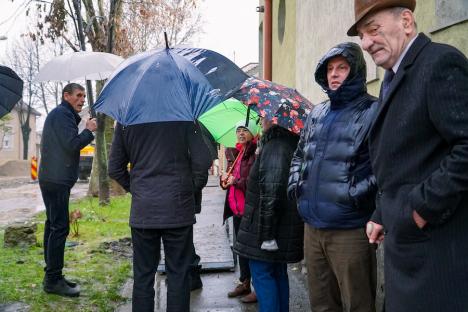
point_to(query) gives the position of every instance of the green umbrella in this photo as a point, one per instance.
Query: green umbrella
(221, 121)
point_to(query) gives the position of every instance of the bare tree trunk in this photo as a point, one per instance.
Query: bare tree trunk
(25, 131)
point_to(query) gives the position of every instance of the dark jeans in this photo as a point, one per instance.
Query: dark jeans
(56, 228)
(178, 259)
(271, 285)
(243, 262)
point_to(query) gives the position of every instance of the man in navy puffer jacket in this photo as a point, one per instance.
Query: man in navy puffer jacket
(332, 180)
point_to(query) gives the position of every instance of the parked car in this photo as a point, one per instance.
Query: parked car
(86, 162)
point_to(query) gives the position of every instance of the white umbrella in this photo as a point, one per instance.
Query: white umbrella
(79, 66)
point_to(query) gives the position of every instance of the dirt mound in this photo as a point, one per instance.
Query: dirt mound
(121, 248)
(15, 168)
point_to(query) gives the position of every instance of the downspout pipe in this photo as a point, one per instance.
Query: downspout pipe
(267, 35)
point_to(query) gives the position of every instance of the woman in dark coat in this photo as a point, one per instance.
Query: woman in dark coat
(236, 184)
(271, 231)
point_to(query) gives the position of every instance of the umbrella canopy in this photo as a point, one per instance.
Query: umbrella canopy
(282, 105)
(177, 84)
(221, 121)
(79, 65)
(11, 90)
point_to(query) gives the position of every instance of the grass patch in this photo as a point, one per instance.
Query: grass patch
(99, 273)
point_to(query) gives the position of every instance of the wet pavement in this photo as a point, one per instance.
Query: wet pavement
(20, 199)
(212, 244)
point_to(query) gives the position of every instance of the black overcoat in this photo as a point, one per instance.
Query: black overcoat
(268, 213)
(419, 154)
(169, 162)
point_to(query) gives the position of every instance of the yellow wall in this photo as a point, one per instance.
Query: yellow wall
(284, 43)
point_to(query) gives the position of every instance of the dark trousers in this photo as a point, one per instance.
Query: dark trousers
(178, 259)
(243, 262)
(271, 284)
(341, 270)
(195, 266)
(57, 227)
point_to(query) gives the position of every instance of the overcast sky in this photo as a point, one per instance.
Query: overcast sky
(230, 27)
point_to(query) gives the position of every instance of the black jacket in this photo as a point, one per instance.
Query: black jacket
(169, 163)
(331, 175)
(419, 152)
(61, 145)
(268, 212)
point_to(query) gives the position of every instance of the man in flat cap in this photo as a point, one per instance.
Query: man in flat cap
(419, 154)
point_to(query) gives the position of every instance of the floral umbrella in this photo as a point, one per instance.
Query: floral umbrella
(282, 105)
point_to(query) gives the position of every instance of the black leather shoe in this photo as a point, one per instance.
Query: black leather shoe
(195, 279)
(61, 288)
(196, 283)
(69, 283)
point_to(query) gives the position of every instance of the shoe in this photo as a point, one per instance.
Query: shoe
(195, 279)
(195, 282)
(250, 298)
(241, 290)
(61, 288)
(69, 283)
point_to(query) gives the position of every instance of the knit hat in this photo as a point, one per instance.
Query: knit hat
(252, 127)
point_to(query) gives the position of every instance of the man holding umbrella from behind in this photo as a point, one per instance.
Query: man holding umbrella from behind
(158, 135)
(169, 161)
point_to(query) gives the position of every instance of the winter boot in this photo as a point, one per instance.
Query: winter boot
(250, 298)
(241, 290)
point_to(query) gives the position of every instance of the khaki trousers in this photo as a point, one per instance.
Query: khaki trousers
(341, 266)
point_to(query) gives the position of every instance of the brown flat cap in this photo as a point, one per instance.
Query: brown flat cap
(364, 7)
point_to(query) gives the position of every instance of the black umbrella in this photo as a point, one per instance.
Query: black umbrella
(11, 90)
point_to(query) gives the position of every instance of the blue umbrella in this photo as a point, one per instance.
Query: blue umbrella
(177, 84)
(11, 90)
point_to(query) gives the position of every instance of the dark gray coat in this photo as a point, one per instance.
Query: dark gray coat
(169, 165)
(268, 212)
(419, 153)
(61, 145)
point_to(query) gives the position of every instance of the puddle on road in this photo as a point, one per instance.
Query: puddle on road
(20, 203)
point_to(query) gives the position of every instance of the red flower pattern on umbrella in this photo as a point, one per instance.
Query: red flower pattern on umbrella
(284, 106)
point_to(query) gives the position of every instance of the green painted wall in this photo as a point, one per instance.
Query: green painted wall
(284, 42)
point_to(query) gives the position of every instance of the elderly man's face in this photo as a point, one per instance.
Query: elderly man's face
(76, 99)
(385, 35)
(337, 71)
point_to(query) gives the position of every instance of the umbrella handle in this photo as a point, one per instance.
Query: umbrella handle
(224, 182)
(92, 113)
